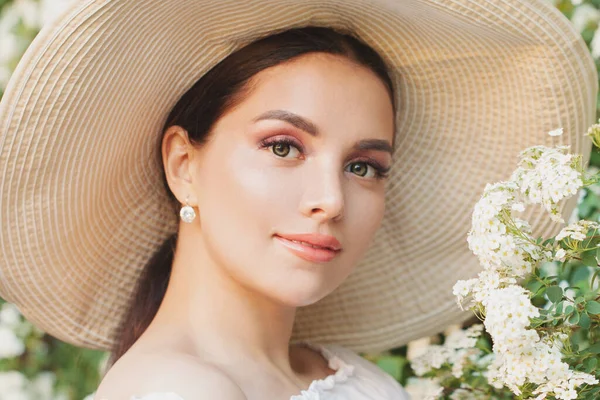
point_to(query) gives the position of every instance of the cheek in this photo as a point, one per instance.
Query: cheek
(247, 192)
(242, 200)
(362, 221)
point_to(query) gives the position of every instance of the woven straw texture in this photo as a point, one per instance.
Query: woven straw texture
(81, 204)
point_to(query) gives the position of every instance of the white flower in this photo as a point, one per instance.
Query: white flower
(548, 175)
(507, 252)
(9, 46)
(556, 132)
(464, 339)
(560, 255)
(42, 386)
(462, 289)
(13, 385)
(577, 230)
(51, 9)
(518, 207)
(433, 358)
(464, 394)
(423, 388)
(28, 11)
(585, 15)
(10, 344)
(458, 349)
(10, 316)
(595, 44)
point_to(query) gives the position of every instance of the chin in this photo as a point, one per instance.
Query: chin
(298, 298)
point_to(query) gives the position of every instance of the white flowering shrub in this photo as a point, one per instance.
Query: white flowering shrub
(36, 366)
(546, 349)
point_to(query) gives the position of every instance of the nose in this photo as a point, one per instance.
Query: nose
(323, 197)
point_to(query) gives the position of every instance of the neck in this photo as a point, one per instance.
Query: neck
(217, 316)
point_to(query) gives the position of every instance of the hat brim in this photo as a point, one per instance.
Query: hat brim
(82, 208)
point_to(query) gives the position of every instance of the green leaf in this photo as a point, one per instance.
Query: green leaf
(589, 258)
(548, 241)
(593, 307)
(554, 293)
(590, 364)
(585, 321)
(580, 274)
(393, 365)
(592, 393)
(536, 288)
(569, 309)
(594, 349)
(592, 282)
(574, 319)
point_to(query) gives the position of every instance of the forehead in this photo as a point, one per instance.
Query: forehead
(332, 91)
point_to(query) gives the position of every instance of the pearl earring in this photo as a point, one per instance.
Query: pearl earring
(187, 213)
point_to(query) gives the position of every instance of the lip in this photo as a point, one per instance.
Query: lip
(330, 246)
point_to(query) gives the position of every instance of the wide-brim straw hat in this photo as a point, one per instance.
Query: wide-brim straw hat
(82, 207)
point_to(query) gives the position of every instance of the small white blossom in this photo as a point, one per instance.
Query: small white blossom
(465, 394)
(548, 175)
(433, 358)
(423, 388)
(578, 230)
(560, 255)
(585, 15)
(13, 385)
(10, 316)
(595, 44)
(42, 386)
(10, 344)
(556, 132)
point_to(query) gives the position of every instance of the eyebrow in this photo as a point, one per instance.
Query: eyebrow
(310, 128)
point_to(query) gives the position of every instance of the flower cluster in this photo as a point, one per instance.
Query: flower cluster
(14, 385)
(548, 175)
(508, 252)
(458, 347)
(593, 131)
(14, 329)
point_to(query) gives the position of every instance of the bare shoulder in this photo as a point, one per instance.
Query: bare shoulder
(178, 374)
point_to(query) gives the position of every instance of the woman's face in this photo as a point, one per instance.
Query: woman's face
(335, 119)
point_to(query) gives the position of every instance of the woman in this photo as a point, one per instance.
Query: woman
(235, 198)
(291, 135)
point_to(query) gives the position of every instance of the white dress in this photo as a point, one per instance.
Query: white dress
(355, 378)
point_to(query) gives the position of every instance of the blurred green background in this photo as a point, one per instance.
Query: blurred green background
(34, 365)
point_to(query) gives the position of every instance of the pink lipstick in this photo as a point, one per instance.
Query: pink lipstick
(311, 247)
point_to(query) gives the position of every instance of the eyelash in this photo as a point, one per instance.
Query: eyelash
(380, 171)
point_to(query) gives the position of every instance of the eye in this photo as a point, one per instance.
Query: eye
(282, 147)
(361, 168)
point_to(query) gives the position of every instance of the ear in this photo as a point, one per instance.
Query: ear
(177, 154)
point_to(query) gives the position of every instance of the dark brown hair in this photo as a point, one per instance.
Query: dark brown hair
(200, 107)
